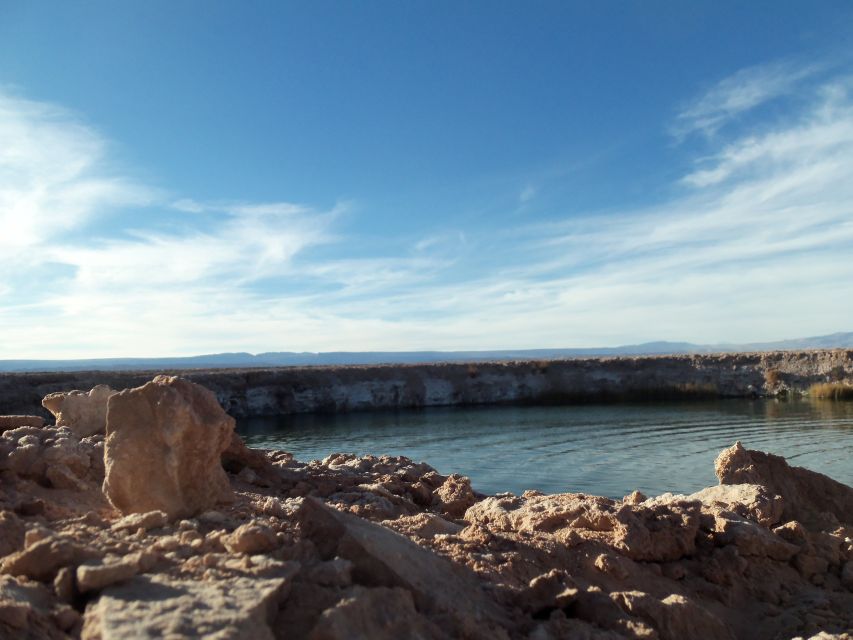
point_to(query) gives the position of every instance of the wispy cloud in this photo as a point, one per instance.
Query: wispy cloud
(741, 92)
(52, 174)
(527, 194)
(756, 245)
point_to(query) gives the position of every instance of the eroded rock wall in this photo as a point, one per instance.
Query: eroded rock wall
(252, 392)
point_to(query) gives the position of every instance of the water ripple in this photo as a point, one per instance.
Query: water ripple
(607, 450)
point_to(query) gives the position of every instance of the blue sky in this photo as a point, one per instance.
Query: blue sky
(194, 177)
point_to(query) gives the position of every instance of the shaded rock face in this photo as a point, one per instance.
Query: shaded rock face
(163, 447)
(810, 497)
(84, 413)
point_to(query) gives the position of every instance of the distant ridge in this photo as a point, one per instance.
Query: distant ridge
(288, 358)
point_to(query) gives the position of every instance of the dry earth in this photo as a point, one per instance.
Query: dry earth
(101, 544)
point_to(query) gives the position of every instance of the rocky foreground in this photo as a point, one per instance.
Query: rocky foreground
(140, 514)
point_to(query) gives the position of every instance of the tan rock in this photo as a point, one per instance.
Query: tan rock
(808, 496)
(424, 525)
(61, 477)
(751, 539)
(675, 617)
(336, 572)
(251, 538)
(379, 614)
(163, 447)
(27, 461)
(454, 496)
(11, 422)
(381, 556)
(159, 607)
(84, 413)
(94, 577)
(658, 531)
(42, 560)
(750, 501)
(136, 521)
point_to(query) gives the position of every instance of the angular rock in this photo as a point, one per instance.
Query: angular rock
(675, 617)
(381, 557)
(159, 607)
(251, 538)
(424, 525)
(94, 577)
(84, 413)
(658, 531)
(808, 495)
(454, 496)
(238, 458)
(751, 539)
(43, 559)
(379, 614)
(750, 501)
(163, 447)
(136, 521)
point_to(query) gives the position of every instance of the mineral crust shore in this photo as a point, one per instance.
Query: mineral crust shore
(198, 536)
(286, 390)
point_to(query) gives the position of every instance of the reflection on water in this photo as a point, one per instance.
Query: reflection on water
(602, 449)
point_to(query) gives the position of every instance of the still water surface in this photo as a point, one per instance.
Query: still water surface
(600, 449)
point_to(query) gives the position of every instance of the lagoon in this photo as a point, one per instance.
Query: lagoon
(605, 450)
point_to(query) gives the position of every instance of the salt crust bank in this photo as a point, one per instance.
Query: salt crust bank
(287, 390)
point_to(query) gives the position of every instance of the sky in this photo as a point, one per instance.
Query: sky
(180, 178)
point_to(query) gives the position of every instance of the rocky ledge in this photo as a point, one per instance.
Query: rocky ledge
(286, 390)
(151, 519)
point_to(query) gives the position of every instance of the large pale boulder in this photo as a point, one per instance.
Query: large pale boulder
(163, 448)
(84, 413)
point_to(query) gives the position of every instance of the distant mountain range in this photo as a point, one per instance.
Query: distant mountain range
(287, 358)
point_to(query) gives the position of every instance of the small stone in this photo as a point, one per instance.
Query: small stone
(251, 538)
(144, 521)
(98, 576)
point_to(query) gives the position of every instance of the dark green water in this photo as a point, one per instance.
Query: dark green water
(600, 449)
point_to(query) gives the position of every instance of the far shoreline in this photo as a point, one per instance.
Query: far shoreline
(343, 388)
